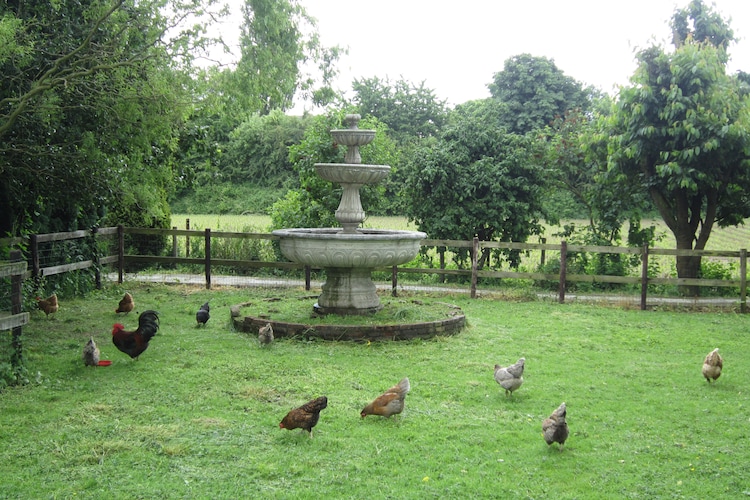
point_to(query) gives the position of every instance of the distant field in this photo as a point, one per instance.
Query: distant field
(732, 238)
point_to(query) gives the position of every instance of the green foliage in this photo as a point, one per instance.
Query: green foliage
(258, 150)
(475, 180)
(280, 46)
(536, 92)
(227, 198)
(410, 111)
(91, 112)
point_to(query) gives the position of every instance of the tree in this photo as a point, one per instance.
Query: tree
(258, 150)
(92, 95)
(410, 111)
(279, 45)
(535, 92)
(476, 180)
(681, 133)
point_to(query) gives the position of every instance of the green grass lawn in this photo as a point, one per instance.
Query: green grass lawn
(197, 416)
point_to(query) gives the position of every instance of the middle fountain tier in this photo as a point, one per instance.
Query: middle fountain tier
(349, 254)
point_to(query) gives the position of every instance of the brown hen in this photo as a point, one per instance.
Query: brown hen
(306, 416)
(48, 305)
(126, 304)
(555, 427)
(391, 402)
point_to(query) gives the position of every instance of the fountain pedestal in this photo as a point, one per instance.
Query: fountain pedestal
(348, 291)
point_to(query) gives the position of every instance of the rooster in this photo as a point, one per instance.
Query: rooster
(91, 353)
(202, 316)
(126, 304)
(510, 378)
(134, 343)
(48, 305)
(306, 416)
(391, 402)
(712, 365)
(265, 334)
(555, 427)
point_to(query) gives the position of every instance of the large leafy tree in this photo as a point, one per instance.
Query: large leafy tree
(535, 92)
(91, 97)
(411, 111)
(681, 132)
(281, 57)
(476, 180)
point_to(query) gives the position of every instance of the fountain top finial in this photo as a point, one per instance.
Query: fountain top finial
(352, 120)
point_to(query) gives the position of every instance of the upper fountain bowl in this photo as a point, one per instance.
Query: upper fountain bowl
(354, 173)
(352, 136)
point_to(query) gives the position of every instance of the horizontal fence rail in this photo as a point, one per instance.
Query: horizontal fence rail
(179, 237)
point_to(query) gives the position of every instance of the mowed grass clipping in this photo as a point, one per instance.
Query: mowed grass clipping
(197, 415)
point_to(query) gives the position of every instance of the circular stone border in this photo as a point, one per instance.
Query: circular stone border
(406, 331)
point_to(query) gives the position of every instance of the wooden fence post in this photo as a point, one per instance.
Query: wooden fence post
(187, 238)
(644, 277)
(174, 243)
(208, 259)
(120, 253)
(563, 271)
(34, 258)
(474, 259)
(394, 281)
(16, 280)
(441, 253)
(743, 280)
(97, 264)
(544, 251)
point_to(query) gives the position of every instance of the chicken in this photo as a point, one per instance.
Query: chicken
(712, 365)
(126, 304)
(134, 343)
(91, 353)
(391, 402)
(48, 305)
(555, 427)
(510, 378)
(202, 316)
(306, 416)
(265, 334)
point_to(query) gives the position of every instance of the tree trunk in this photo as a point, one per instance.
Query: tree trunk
(687, 266)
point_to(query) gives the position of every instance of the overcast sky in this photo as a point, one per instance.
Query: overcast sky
(455, 47)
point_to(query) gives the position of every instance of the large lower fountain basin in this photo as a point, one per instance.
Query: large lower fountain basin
(348, 258)
(365, 248)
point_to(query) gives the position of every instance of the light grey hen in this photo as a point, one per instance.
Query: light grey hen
(91, 353)
(265, 334)
(510, 378)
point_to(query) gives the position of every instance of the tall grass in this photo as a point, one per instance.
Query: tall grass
(197, 416)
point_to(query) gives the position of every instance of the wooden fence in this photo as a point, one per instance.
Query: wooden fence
(14, 319)
(120, 259)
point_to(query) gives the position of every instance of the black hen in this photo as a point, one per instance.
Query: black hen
(202, 315)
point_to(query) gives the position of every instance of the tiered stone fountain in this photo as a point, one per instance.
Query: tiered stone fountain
(349, 254)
